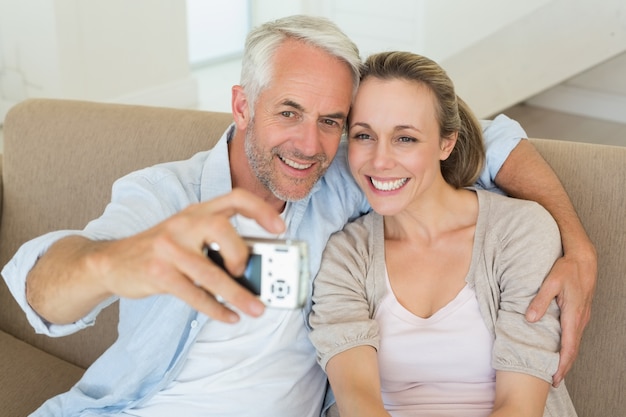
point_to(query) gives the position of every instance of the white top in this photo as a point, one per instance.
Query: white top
(436, 366)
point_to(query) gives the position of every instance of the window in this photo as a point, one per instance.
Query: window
(216, 29)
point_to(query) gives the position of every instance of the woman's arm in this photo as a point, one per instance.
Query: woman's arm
(354, 378)
(520, 395)
(524, 246)
(525, 174)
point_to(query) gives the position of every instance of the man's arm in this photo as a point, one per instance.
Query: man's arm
(77, 274)
(525, 174)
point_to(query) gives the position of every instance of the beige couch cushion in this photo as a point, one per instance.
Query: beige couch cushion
(30, 376)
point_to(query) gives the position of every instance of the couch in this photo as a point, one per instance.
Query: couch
(61, 157)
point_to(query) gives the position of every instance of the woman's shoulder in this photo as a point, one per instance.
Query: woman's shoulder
(508, 208)
(505, 218)
(363, 224)
(359, 233)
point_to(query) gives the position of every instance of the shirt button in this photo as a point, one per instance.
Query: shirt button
(194, 324)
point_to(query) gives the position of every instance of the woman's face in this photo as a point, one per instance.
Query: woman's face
(394, 144)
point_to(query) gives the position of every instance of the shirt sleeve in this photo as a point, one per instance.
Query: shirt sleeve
(530, 244)
(501, 136)
(15, 272)
(341, 281)
(137, 203)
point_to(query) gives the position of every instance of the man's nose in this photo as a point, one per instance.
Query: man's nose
(310, 142)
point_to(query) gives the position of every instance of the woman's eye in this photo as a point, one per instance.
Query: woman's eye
(361, 136)
(406, 139)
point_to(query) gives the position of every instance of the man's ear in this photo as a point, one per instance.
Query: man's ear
(240, 110)
(447, 145)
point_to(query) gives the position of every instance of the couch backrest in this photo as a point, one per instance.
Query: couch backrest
(60, 160)
(595, 179)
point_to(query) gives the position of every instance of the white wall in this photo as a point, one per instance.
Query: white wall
(104, 50)
(438, 29)
(29, 63)
(213, 37)
(599, 92)
(541, 50)
(608, 77)
(498, 53)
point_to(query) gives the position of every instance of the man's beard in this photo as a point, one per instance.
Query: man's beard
(260, 161)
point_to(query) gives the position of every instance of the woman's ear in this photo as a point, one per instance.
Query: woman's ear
(239, 105)
(447, 145)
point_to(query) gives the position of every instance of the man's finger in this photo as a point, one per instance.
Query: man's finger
(202, 273)
(570, 340)
(204, 302)
(243, 202)
(539, 305)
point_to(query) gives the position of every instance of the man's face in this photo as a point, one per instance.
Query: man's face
(298, 120)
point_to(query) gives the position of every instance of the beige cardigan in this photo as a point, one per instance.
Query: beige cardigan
(516, 243)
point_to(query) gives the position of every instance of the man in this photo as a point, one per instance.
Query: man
(190, 338)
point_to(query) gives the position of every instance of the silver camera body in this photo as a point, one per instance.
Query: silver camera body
(277, 270)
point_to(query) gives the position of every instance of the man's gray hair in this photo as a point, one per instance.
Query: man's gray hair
(262, 42)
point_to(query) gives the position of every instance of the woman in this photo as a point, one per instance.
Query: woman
(419, 305)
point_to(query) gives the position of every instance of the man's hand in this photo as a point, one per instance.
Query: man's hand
(572, 281)
(77, 274)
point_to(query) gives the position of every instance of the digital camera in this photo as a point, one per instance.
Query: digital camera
(277, 270)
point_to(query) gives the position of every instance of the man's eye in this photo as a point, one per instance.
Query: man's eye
(332, 124)
(287, 113)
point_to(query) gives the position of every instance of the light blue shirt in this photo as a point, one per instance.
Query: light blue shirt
(155, 333)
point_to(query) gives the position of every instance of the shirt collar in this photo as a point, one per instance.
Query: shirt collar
(216, 179)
